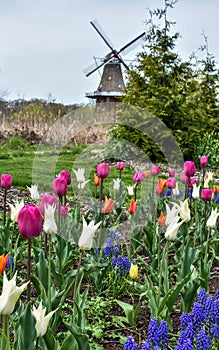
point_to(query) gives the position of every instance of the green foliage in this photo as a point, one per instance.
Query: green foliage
(16, 143)
(208, 145)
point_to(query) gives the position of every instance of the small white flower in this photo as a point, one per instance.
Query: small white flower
(212, 220)
(79, 175)
(15, 210)
(88, 231)
(34, 193)
(185, 211)
(130, 190)
(175, 190)
(196, 191)
(10, 294)
(42, 321)
(49, 225)
(116, 184)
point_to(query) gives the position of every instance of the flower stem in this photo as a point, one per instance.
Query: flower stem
(77, 276)
(162, 267)
(4, 214)
(101, 195)
(5, 345)
(28, 268)
(49, 275)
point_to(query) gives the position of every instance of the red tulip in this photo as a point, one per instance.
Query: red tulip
(206, 194)
(47, 199)
(59, 186)
(67, 176)
(6, 181)
(189, 168)
(29, 221)
(103, 170)
(133, 207)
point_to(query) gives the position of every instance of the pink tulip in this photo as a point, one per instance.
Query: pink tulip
(6, 181)
(189, 168)
(171, 182)
(183, 177)
(29, 221)
(154, 170)
(63, 210)
(138, 177)
(67, 176)
(172, 172)
(103, 170)
(192, 182)
(59, 186)
(47, 199)
(204, 160)
(120, 166)
(206, 194)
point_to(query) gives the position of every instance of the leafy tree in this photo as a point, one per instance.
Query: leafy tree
(182, 94)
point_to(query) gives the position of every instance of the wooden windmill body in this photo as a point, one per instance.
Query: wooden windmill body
(111, 87)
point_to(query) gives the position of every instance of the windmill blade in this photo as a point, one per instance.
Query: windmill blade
(132, 44)
(100, 31)
(124, 64)
(91, 69)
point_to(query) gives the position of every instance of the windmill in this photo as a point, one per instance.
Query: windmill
(111, 86)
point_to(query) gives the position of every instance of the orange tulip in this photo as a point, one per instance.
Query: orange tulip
(97, 180)
(216, 189)
(162, 219)
(133, 206)
(3, 262)
(108, 205)
(161, 183)
(146, 174)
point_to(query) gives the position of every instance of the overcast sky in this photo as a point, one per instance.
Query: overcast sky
(46, 44)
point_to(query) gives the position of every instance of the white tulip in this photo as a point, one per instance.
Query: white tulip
(116, 184)
(10, 294)
(81, 185)
(88, 231)
(34, 193)
(15, 210)
(172, 229)
(79, 175)
(175, 191)
(185, 211)
(196, 192)
(42, 321)
(49, 225)
(212, 220)
(171, 213)
(130, 190)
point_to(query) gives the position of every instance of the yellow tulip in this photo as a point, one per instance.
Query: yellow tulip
(133, 272)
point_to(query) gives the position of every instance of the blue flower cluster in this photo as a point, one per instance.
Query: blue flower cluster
(111, 247)
(122, 265)
(157, 336)
(198, 329)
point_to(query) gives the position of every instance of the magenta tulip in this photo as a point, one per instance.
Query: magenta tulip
(63, 210)
(192, 182)
(29, 221)
(204, 160)
(6, 181)
(154, 170)
(172, 172)
(67, 176)
(171, 182)
(206, 194)
(138, 177)
(103, 170)
(120, 165)
(189, 168)
(47, 199)
(59, 186)
(183, 178)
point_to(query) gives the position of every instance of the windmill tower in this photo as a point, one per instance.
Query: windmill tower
(111, 87)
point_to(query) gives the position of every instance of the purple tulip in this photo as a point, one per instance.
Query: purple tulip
(204, 160)
(189, 168)
(154, 170)
(206, 194)
(59, 186)
(138, 177)
(183, 177)
(6, 181)
(103, 170)
(29, 221)
(47, 199)
(67, 176)
(120, 166)
(63, 210)
(172, 172)
(171, 182)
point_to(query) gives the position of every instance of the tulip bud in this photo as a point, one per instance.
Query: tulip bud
(162, 219)
(47, 199)
(171, 182)
(63, 210)
(97, 180)
(172, 172)
(120, 166)
(204, 160)
(6, 181)
(154, 170)
(103, 170)
(138, 177)
(133, 272)
(29, 221)
(3, 262)
(206, 194)
(133, 207)
(59, 186)
(67, 176)
(216, 189)
(189, 168)
(184, 177)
